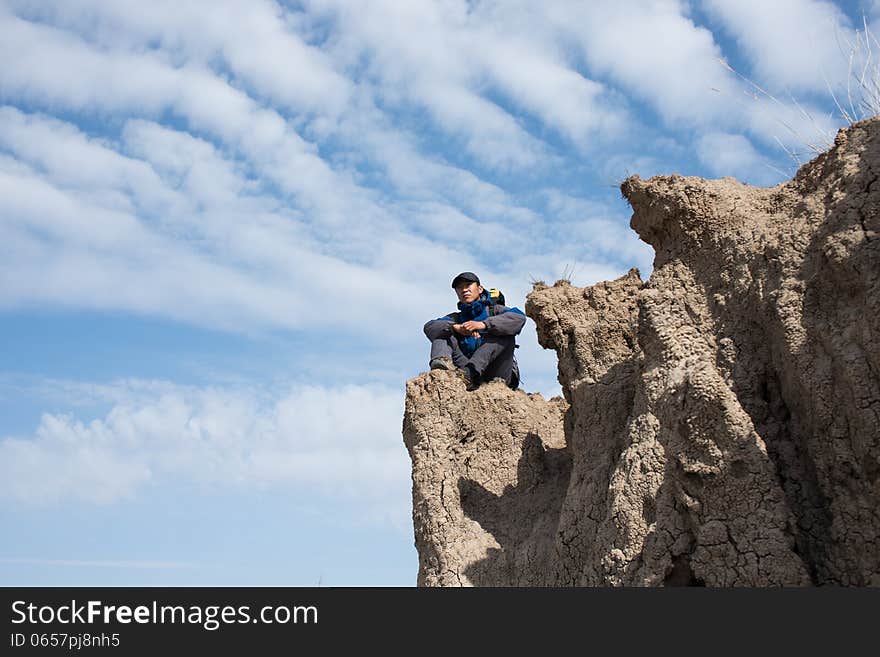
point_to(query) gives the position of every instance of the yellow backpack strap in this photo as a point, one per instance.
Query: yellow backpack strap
(493, 297)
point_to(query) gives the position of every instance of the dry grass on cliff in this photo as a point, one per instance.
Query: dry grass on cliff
(857, 98)
(863, 78)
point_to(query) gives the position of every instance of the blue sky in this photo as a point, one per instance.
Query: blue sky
(223, 224)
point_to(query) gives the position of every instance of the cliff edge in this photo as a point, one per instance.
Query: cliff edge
(721, 421)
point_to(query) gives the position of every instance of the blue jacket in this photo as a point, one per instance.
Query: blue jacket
(505, 321)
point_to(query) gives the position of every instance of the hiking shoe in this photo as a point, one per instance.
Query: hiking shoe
(442, 363)
(472, 378)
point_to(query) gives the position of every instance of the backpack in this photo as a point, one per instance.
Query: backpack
(495, 296)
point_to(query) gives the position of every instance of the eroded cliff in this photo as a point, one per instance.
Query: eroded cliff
(721, 421)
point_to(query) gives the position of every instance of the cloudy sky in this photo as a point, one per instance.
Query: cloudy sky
(223, 224)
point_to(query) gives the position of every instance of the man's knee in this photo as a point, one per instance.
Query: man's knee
(506, 341)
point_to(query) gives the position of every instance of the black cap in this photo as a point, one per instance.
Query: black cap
(466, 276)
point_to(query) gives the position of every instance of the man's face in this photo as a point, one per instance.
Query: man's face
(468, 292)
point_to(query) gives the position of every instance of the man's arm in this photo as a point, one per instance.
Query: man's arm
(441, 327)
(508, 321)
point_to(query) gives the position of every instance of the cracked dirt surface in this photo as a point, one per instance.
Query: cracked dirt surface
(482, 462)
(721, 421)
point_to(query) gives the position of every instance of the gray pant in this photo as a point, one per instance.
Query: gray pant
(492, 359)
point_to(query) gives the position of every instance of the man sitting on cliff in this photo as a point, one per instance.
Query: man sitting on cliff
(478, 339)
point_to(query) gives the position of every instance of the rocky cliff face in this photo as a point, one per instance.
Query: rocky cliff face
(721, 421)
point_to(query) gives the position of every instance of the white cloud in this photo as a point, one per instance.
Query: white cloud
(421, 56)
(658, 55)
(253, 38)
(790, 44)
(55, 67)
(649, 47)
(62, 249)
(794, 48)
(726, 154)
(341, 441)
(577, 107)
(446, 56)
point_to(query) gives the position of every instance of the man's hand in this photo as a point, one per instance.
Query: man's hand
(473, 327)
(470, 328)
